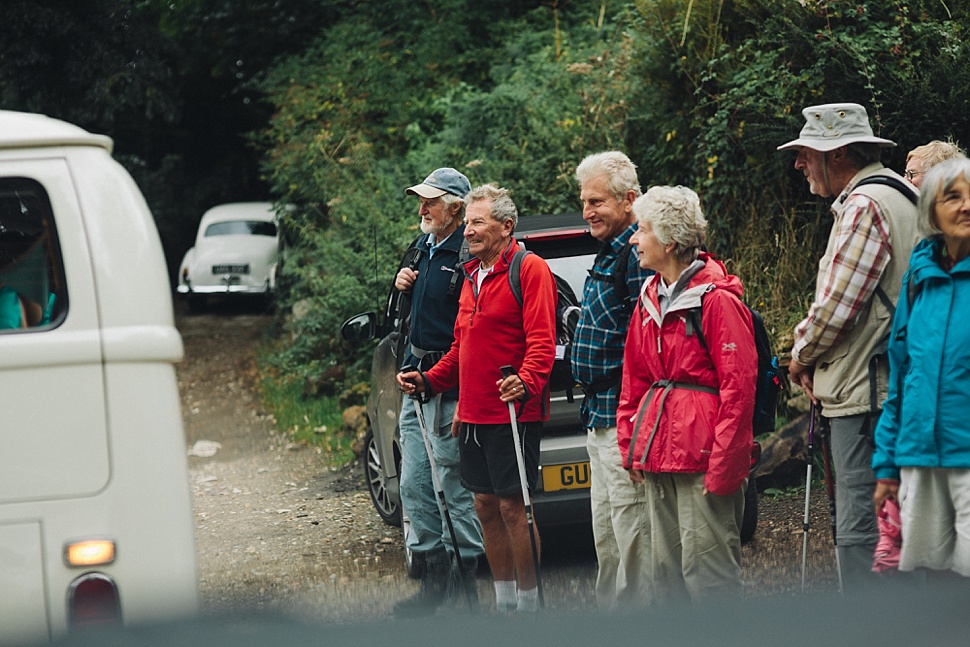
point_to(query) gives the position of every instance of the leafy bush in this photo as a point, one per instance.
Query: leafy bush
(697, 93)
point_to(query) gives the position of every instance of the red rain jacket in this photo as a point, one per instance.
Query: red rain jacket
(684, 408)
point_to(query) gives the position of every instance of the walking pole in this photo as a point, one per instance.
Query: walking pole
(824, 434)
(442, 503)
(810, 456)
(506, 372)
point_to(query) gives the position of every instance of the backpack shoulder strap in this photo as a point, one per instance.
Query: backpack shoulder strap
(515, 270)
(692, 323)
(464, 255)
(621, 270)
(888, 180)
(412, 255)
(886, 301)
(909, 194)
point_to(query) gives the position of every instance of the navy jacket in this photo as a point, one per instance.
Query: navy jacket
(433, 310)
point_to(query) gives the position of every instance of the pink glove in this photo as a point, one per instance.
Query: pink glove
(886, 557)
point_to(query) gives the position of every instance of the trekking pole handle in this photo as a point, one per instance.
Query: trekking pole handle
(420, 397)
(507, 371)
(811, 427)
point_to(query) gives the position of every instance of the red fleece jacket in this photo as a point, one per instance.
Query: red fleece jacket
(492, 331)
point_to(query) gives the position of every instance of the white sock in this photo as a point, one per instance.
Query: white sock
(505, 598)
(528, 601)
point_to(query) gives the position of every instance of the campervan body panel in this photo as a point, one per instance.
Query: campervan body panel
(90, 425)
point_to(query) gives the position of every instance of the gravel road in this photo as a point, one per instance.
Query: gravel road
(277, 531)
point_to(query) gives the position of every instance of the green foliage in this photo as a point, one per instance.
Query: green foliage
(100, 64)
(728, 87)
(371, 109)
(544, 114)
(312, 421)
(783, 493)
(697, 93)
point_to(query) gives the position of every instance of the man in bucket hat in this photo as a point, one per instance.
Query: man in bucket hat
(432, 274)
(838, 355)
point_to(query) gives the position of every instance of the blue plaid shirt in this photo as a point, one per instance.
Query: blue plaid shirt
(597, 350)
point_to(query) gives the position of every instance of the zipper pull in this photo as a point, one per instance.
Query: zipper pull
(658, 344)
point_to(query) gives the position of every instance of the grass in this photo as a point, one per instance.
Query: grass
(312, 421)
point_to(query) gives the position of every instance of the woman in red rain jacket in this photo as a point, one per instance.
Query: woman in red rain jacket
(687, 400)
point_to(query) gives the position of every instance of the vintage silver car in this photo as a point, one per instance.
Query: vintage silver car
(236, 252)
(563, 494)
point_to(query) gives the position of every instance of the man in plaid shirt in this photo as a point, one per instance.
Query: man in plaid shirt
(838, 355)
(609, 186)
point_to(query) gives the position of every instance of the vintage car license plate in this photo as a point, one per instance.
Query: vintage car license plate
(567, 476)
(231, 269)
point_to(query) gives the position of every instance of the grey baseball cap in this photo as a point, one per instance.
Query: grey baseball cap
(833, 125)
(442, 181)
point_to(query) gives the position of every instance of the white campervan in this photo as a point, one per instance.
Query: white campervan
(95, 510)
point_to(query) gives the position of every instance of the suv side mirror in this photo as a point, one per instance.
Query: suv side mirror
(362, 327)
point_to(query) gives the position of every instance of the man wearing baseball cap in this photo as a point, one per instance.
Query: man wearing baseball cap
(838, 356)
(432, 275)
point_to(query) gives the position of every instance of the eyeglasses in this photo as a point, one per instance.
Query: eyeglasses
(911, 174)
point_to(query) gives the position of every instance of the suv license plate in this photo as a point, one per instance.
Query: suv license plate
(567, 476)
(230, 269)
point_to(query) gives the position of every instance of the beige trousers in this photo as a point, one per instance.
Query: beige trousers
(696, 543)
(620, 529)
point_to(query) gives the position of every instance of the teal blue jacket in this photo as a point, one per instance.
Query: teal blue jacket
(925, 421)
(11, 315)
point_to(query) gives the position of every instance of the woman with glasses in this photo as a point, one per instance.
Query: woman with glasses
(923, 158)
(922, 454)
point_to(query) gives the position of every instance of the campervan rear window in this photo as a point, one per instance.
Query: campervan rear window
(33, 294)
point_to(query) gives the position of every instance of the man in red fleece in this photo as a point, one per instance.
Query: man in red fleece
(492, 330)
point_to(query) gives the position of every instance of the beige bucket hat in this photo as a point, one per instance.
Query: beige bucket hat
(832, 125)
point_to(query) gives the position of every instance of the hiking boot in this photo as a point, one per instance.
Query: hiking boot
(463, 585)
(434, 587)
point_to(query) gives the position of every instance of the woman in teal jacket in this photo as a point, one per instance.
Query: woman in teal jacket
(922, 455)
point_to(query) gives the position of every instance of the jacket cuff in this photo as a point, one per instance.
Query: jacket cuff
(887, 474)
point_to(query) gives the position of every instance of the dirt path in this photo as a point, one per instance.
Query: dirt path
(277, 531)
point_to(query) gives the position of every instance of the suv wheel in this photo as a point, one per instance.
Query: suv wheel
(388, 510)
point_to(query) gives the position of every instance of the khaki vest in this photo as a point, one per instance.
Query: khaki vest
(843, 383)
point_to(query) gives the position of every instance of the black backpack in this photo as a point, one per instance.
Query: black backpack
(567, 316)
(770, 378)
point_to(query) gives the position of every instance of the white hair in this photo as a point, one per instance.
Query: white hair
(674, 213)
(616, 167)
